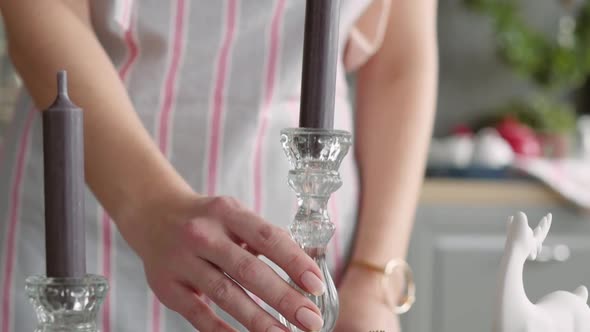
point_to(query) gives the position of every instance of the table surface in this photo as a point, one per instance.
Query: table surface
(488, 192)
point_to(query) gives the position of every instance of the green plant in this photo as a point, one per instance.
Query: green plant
(558, 63)
(542, 114)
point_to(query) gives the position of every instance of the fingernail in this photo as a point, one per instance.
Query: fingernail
(312, 283)
(309, 319)
(275, 328)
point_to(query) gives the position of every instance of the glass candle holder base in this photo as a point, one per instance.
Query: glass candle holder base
(66, 304)
(328, 302)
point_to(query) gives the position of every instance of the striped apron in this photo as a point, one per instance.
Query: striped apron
(213, 82)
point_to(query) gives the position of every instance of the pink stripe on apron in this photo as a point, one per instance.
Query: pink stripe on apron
(179, 10)
(13, 226)
(222, 64)
(269, 85)
(108, 231)
(218, 99)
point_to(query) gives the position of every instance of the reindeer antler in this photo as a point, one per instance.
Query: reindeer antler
(540, 233)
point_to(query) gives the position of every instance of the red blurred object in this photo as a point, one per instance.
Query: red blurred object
(462, 130)
(521, 137)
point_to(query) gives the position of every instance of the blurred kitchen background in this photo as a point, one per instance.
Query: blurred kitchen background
(512, 133)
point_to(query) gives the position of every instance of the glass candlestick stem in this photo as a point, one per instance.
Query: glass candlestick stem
(315, 156)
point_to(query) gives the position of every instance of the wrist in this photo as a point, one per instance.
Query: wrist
(380, 242)
(150, 201)
(147, 199)
(153, 194)
(139, 182)
(363, 275)
(394, 281)
(365, 286)
(149, 214)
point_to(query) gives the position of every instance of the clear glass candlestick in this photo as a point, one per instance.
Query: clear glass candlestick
(66, 304)
(315, 156)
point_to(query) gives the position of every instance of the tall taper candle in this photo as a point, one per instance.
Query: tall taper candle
(320, 59)
(63, 154)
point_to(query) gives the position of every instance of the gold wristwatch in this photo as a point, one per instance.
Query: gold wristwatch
(408, 296)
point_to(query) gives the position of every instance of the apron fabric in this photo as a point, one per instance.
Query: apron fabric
(213, 82)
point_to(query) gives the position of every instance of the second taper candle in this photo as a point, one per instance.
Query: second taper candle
(320, 59)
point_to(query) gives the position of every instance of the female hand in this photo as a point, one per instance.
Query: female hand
(362, 307)
(202, 246)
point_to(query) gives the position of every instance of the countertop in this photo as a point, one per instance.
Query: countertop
(488, 192)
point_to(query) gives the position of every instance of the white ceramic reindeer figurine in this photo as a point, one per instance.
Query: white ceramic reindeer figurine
(559, 311)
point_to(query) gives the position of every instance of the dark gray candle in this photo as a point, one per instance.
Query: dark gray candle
(320, 58)
(63, 154)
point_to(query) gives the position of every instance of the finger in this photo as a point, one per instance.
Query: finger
(260, 279)
(197, 312)
(276, 244)
(249, 249)
(230, 297)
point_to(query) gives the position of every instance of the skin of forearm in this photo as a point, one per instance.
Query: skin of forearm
(392, 135)
(396, 97)
(123, 167)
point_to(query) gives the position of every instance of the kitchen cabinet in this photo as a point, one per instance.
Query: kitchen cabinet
(458, 241)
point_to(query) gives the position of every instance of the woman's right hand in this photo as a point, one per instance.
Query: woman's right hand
(206, 246)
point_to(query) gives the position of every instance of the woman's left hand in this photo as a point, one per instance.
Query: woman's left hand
(362, 306)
